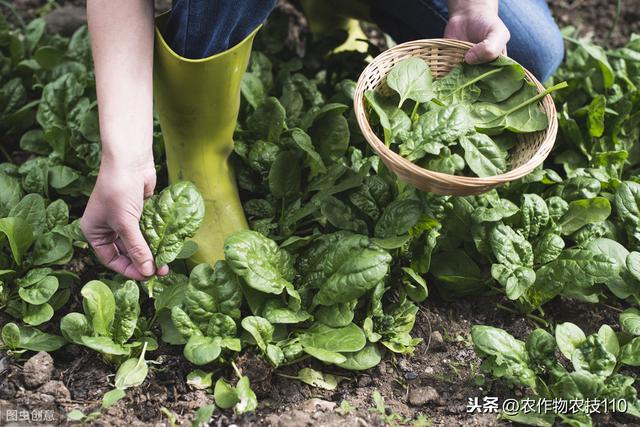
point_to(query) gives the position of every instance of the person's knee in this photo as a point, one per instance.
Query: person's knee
(540, 50)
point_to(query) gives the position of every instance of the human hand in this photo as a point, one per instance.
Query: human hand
(478, 22)
(112, 216)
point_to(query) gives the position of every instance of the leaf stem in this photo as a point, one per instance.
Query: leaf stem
(616, 21)
(5, 153)
(610, 307)
(474, 80)
(414, 112)
(536, 98)
(235, 368)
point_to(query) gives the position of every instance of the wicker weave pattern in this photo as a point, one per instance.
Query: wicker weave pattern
(442, 55)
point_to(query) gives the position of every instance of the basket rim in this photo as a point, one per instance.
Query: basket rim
(438, 177)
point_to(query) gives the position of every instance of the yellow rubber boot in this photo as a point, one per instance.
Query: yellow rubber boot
(328, 16)
(197, 102)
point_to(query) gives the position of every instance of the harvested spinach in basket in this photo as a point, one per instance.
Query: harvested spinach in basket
(463, 123)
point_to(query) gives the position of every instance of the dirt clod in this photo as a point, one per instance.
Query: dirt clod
(420, 396)
(56, 389)
(364, 381)
(38, 370)
(316, 404)
(436, 341)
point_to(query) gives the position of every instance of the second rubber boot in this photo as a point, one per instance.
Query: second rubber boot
(197, 102)
(328, 16)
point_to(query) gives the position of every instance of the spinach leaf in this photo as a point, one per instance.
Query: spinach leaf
(259, 261)
(169, 218)
(483, 155)
(411, 79)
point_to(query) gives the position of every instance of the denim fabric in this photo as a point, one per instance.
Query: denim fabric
(535, 42)
(201, 28)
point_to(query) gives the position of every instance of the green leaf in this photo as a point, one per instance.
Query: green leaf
(363, 359)
(609, 339)
(440, 127)
(343, 267)
(247, 398)
(52, 248)
(497, 86)
(224, 394)
(171, 217)
(267, 121)
(11, 336)
(57, 214)
(212, 290)
(547, 248)
(221, 325)
(569, 337)
(337, 315)
(510, 247)
(583, 212)
(541, 345)
(99, 306)
(456, 88)
(346, 339)
(35, 315)
(74, 326)
(595, 117)
(412, 79)
(630, 321)
(111, 397)
(203, 415)
(20, 236)
(201, 350)
(29, 338)
(10, 193)
(31, 209)
(303, 142)
(127, 310)
(260, 329)
(414, 285)
(183, 323)
(40, 292)
(483, 156)
(330, 135)
(285, 174)
(259, 261)
(199, 379)
(630, 353)
(398, 218)
(104, 345)
(457, 272)
(316, 379)
(592, 356)
(132, 373)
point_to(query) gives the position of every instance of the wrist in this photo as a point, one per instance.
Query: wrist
(472, 7)
(126, 159)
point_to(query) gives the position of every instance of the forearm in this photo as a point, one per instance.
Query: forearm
(461, 6)
(122, 45)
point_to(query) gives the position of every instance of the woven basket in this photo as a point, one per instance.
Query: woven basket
(442, 55)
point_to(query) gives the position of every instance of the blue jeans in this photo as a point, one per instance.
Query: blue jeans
(201, 28)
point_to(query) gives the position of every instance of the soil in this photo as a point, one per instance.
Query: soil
(430, 387)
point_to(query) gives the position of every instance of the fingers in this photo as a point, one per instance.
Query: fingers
(136, 248)
(490, 48)
(110, 256)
